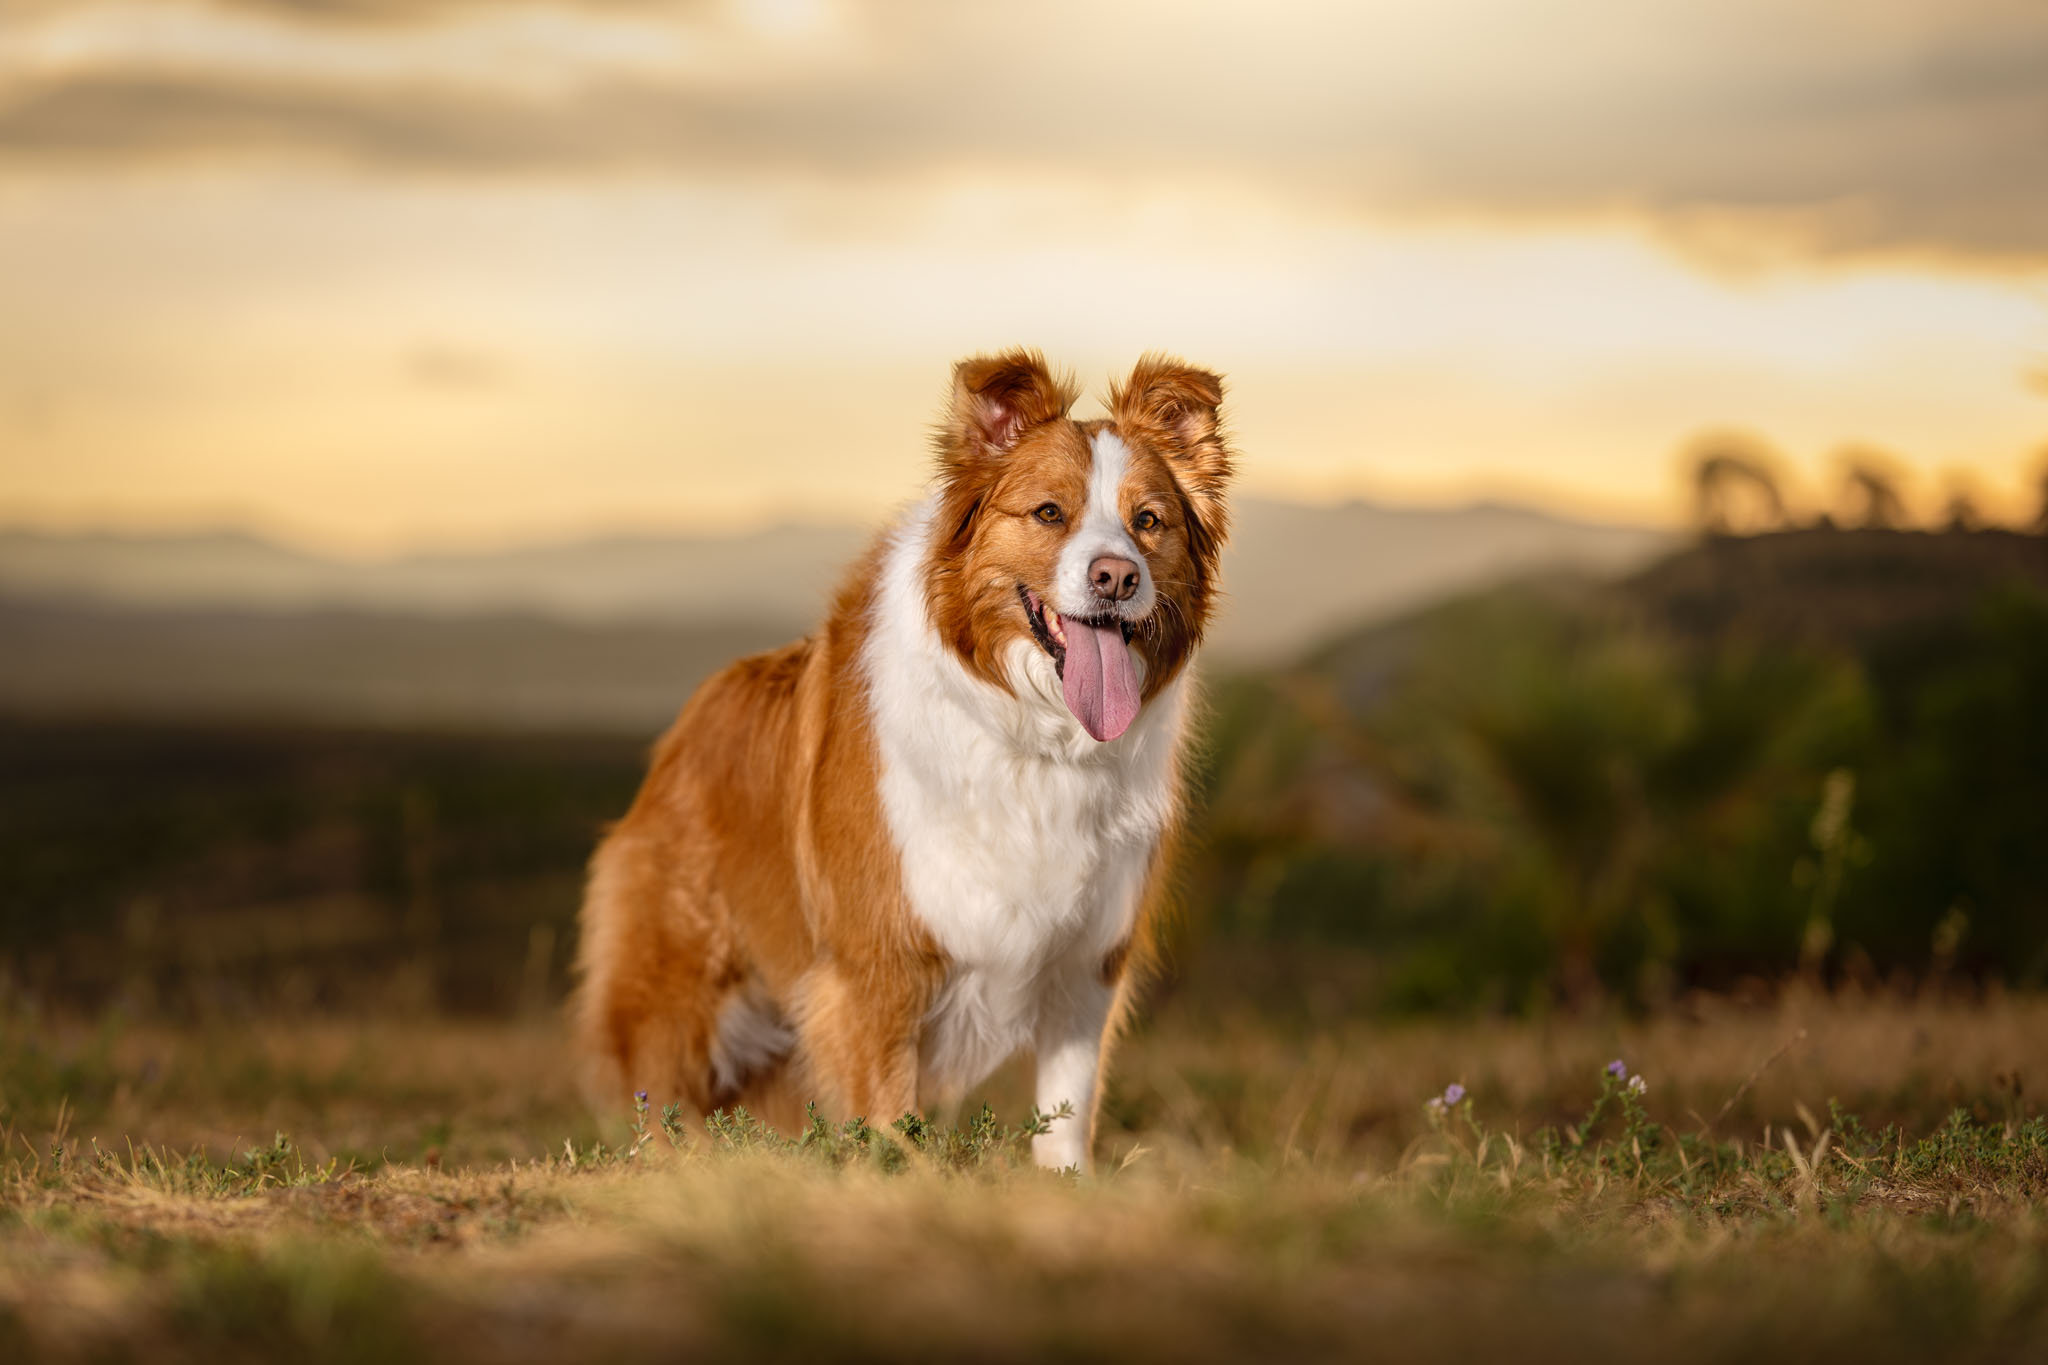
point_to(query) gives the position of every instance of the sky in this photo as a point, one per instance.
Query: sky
(384, 274)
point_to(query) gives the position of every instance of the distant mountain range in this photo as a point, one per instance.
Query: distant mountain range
(781, 574)
(1293, 572)
(614, 632)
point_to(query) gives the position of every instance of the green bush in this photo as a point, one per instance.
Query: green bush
(1541, 793)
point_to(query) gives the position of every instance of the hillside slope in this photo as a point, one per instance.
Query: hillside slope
(465, 672)
(1827, 747)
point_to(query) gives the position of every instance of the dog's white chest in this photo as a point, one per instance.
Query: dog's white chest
(1024, 844)
(1027, 876)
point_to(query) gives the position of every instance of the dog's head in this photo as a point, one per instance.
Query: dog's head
(1079, 555)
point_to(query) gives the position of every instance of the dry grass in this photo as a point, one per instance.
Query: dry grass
(1262, 1194)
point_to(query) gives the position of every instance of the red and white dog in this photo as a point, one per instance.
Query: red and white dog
(867, 868)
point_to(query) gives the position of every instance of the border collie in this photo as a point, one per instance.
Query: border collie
(867, 868)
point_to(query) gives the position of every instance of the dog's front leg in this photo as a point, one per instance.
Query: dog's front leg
(1068, 1042)
(858, 1032)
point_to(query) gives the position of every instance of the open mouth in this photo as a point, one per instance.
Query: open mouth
(1051, 633)
(1098, 678)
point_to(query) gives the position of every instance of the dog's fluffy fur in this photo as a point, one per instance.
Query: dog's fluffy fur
(866, 868)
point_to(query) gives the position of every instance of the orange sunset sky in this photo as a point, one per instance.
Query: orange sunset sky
(374, 274)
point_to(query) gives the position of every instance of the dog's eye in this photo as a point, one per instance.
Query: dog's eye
(1049, 513)
(1146, 520)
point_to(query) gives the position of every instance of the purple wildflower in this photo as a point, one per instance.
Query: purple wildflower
(1617, 1068)
(640, 1097)
(1453, 1093)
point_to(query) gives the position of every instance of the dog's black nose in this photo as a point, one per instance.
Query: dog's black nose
(1113, 579)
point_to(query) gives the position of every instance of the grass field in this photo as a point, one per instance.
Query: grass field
(438, 1192)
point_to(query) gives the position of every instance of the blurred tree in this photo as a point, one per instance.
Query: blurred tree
(1735, 486)
(1958, 794)
(1870, 492)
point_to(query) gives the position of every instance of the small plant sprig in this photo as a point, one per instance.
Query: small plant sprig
(1445, 1109)
(1451, 1116)
(642, 1135)
(1619, 1089)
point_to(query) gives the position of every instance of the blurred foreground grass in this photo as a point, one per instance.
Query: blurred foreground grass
(1262, 1193)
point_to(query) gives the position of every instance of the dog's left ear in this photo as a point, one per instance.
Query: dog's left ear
(1177, 409)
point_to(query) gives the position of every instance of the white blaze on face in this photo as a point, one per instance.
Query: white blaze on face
(1101, 530)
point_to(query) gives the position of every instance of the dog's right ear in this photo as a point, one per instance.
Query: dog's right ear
(996, 399)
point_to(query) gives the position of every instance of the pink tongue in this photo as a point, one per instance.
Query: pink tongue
(1100, 685)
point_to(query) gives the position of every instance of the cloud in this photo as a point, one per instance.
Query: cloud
(359, 13)
(452, 368)
(1740, 129)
